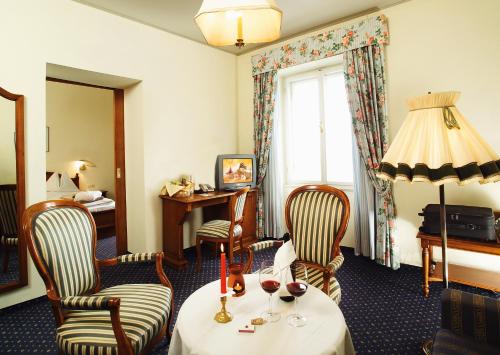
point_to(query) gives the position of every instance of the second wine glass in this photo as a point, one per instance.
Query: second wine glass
(269, 279)
(296, 284)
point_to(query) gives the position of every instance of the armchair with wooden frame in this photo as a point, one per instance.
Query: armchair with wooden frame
(224, 231)
(123, 319)
(317, 218)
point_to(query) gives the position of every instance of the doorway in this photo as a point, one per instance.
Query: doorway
(93, 153)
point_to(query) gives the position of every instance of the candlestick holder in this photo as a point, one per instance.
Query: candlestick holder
(223, 316)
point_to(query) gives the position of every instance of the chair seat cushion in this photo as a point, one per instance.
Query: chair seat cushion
(218, 229)
(144, 310)
(315, 278)
(447, 342)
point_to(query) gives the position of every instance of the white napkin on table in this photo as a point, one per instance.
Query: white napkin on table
(283, 258)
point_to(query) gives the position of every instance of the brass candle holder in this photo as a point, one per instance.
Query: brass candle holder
(223, 316)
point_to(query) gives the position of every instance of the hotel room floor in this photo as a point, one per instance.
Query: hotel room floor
(384, 309)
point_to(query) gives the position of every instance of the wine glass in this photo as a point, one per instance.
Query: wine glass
(296, 284)
(270, 282)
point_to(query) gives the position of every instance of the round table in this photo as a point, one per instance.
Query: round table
(196, 331)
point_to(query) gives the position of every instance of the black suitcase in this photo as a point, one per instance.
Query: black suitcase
(461, 221)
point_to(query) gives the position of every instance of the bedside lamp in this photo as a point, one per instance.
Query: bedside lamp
(436, 144)
(84, 164)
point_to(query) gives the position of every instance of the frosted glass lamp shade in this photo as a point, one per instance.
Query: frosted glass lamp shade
(437, 144)
(224, 22)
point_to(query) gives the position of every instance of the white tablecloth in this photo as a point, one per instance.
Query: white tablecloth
(196, 331)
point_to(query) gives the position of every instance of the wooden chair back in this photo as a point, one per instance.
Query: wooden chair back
(237, 206)
(317, 217)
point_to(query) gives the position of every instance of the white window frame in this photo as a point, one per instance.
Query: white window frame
(286, 81)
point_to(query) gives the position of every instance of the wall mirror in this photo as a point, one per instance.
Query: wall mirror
(13, 259)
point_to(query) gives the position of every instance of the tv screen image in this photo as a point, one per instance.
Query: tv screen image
(238, 170)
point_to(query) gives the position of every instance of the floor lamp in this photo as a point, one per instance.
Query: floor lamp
(436, 144)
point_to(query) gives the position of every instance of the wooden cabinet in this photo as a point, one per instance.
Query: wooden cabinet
(215, 206)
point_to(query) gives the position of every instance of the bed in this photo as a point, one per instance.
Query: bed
(102, 210)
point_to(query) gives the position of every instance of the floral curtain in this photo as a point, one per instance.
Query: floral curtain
(264, 101)
(365, 85)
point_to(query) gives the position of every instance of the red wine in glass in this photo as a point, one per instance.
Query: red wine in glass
(296, 285)
(296, 289)
(269, 279)
(270, 286)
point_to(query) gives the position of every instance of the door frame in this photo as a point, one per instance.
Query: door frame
(119, 173)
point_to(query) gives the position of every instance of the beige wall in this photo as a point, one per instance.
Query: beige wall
(436, 45)
(177, 119)
(7, 147)
(80, 120)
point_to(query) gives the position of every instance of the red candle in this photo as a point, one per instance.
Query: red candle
(223, 288)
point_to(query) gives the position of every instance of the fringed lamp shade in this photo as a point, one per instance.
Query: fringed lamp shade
(228, 22)
(437, 144)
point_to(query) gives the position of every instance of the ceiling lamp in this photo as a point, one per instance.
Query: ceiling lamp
(228, 22)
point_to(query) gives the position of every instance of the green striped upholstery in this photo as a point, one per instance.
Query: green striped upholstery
(86, 302)
(10, 242)
(316, 217)
(336, 263)
(265, 244)
(315, 278)
(63, 238)
(135, 258)
(144, 310)
(239, 206)
(218, 229)
(8, 210)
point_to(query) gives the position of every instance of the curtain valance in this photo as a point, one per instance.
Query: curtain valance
(369, 31)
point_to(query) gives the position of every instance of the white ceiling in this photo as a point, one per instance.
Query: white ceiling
(176, 16)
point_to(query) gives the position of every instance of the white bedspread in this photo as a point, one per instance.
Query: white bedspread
(103, 204)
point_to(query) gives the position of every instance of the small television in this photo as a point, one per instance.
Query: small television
(235, 171)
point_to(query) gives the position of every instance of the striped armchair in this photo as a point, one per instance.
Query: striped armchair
(470, 324)
(8, 221)
(317, 218)
(224, 231)
(124, 319)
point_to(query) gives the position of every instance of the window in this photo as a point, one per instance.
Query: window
(317, 128)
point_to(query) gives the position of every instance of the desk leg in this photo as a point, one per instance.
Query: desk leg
(174, 215)
(425, 269)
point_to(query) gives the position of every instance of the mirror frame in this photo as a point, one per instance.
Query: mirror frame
(21, 190)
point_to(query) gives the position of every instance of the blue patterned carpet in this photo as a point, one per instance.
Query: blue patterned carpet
(384, 309)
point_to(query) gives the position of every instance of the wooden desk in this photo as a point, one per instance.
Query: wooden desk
(177, 209)
(432, 271)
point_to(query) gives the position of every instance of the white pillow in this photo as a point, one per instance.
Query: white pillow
(67, 185)
(53, 182)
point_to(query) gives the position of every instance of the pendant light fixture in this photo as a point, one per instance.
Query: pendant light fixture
(228, 22)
